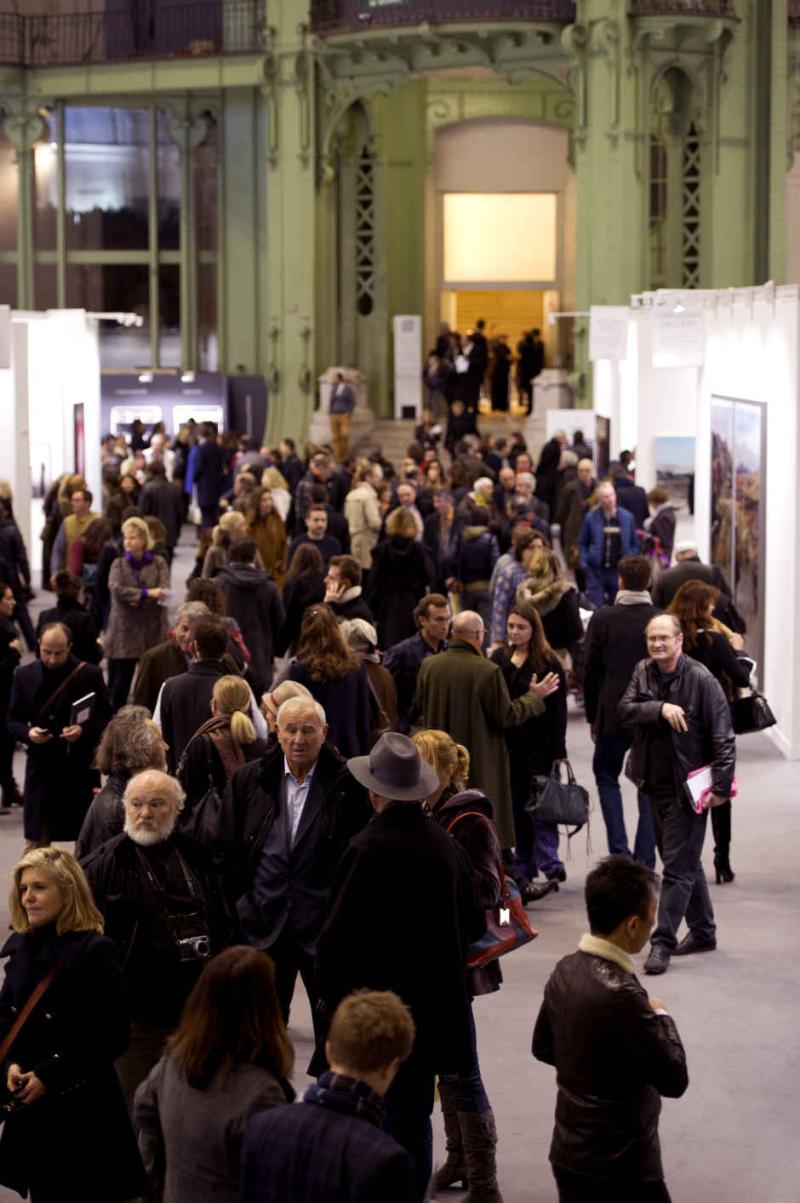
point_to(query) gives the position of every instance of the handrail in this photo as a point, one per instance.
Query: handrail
(332, 16)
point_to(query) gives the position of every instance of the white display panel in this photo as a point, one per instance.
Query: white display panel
(500, 237)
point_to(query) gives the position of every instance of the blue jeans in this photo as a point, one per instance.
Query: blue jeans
(602, 585)
(609, 754)
(536, 848)
(471, 1096)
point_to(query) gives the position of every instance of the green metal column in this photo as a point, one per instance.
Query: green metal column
(23, 127)
(290, 222)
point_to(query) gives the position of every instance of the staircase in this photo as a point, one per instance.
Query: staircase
(393, 435)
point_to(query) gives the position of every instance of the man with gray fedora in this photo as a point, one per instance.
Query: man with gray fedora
(402, 913)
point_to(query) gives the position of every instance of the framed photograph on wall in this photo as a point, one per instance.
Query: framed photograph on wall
(675, 468)
(79, 439)
(738, 509)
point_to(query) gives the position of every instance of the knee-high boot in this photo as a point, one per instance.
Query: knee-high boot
(479, 1138)
(721, 826)
(453, 1172)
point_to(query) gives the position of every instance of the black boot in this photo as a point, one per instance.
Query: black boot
(721, 826)
(453, 1172)
(479, 1137)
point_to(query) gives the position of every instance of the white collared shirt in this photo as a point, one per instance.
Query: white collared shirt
(296, 797)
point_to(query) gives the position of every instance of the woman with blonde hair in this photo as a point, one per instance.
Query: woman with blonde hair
(63, 1023)
(274, 480)
(398, 578)
(139, 587)
(222, 745)
(230, 1056)
(555, 599)
(231, 528)
(468, 816)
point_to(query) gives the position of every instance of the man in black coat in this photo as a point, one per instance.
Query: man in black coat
(401, 916)
(404, 659)
(184, 703)
(285, 823)
(689, 567)
(252, 600)
(160, 896)
(343, 592)
(162, 499)
(209, 474)
(615, 643)
(333, 1143)
(616, 1051)
(59, 778)
(632, 497)
(682, 722)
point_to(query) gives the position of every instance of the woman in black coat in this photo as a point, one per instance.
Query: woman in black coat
(555, 599)
(59, 1071)
(304, 586)
(693, 606)
(10, 653)
(534, 746)
(335, 678)
(70, 610)
(399, 577)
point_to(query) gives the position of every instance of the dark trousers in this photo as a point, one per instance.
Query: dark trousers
(290, 958)
(145, 1047)
(536, 847)
(684, 890)
(721, 826)
(471, 1096)
(209, 516)
(575, 1188)
(409, 1106)
(120, 679)
(602, 585)
(609, 755)
(23, 620)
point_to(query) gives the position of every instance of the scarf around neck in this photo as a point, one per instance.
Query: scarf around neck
(633, 597)
(348, 1095)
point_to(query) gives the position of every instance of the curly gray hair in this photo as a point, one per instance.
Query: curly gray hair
(131, 742)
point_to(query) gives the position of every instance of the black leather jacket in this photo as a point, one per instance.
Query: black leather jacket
(614, 1058)
(709, 739)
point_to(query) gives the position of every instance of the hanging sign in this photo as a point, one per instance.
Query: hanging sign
(608, 332)
(678, 338)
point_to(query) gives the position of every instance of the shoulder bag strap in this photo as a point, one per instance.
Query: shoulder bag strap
(477, 814)
(56, 693)
(24, 1014)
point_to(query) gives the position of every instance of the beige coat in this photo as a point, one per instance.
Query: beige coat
(363, 514)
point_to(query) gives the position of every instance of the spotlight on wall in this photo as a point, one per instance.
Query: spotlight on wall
(187, 377)
(146, 378)
(678, 307)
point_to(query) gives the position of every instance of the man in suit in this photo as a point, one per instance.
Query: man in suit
(285, 822)
(59, 778)
(382, 934)
(615, 643)
(209, 475)
(688, 567)
(343, 402)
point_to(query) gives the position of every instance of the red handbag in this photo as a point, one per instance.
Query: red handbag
(507, 924)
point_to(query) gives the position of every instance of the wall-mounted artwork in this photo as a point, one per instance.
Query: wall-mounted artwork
(738, 518)
(675, 468)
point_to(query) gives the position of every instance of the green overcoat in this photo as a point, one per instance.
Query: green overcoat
(464, 694)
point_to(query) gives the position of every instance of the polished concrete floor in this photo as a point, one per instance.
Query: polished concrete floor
(733, 1138)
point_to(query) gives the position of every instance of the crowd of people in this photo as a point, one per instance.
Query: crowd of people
(462, 367)
(319, 765)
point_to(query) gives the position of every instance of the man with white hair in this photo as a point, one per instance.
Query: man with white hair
(160, 896)
(529, 510)
(285, 822)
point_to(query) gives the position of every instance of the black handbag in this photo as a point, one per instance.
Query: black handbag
(200, 819)
(555, 801)
(751, 714)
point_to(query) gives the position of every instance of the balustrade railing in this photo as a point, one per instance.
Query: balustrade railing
(329, 16)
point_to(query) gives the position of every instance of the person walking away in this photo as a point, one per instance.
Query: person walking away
(161, 499)
(139, 587)
(364, 519)
(608, 532)
(230, 1057)
(693, 605)
(399, 577)
(335, 678)
(501, 368)
(304, 586)
(413, 942)
(334, 1140)
(342, 404)
(467, 815)
(252, 601)
(681, 722)
(616, 1052)
(208, 475)
(662, 520)
(475, 554)
(535, 747)
(59, 1070)
(59, 778)
(615, 643)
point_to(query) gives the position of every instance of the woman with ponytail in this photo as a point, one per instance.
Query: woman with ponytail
(222, 745)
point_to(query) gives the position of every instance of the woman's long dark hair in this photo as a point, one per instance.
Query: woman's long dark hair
(690, 606)
(97, 534)
(305, 561)
(232, 1017)
(321, 646)
(541, 656)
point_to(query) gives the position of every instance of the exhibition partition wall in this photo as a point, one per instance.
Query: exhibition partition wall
(721, 367)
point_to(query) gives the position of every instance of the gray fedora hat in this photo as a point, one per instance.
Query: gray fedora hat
(394, 769)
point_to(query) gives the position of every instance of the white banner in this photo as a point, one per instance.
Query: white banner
(608, 332)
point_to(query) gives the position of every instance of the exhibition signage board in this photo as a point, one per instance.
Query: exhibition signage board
(678, 338)
(608, 332)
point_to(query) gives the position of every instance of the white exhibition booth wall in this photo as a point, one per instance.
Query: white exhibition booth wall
(738, 344)
(49, 407)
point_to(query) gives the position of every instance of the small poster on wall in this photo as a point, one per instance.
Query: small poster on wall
(679, 338)
(675, 468)
(608, 332)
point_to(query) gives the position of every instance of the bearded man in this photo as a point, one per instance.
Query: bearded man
(160, 897)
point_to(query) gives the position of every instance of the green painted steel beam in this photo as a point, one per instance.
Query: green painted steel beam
(119, 79)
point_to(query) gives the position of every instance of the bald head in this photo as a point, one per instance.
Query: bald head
(468, 625)
(585, 471)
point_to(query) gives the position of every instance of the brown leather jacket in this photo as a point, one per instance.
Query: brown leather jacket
(614, 1058)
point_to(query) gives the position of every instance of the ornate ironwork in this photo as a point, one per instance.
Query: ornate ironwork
(690, 216)
(365, 232)
(335, 16)
(143, 31)
(684, 8)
